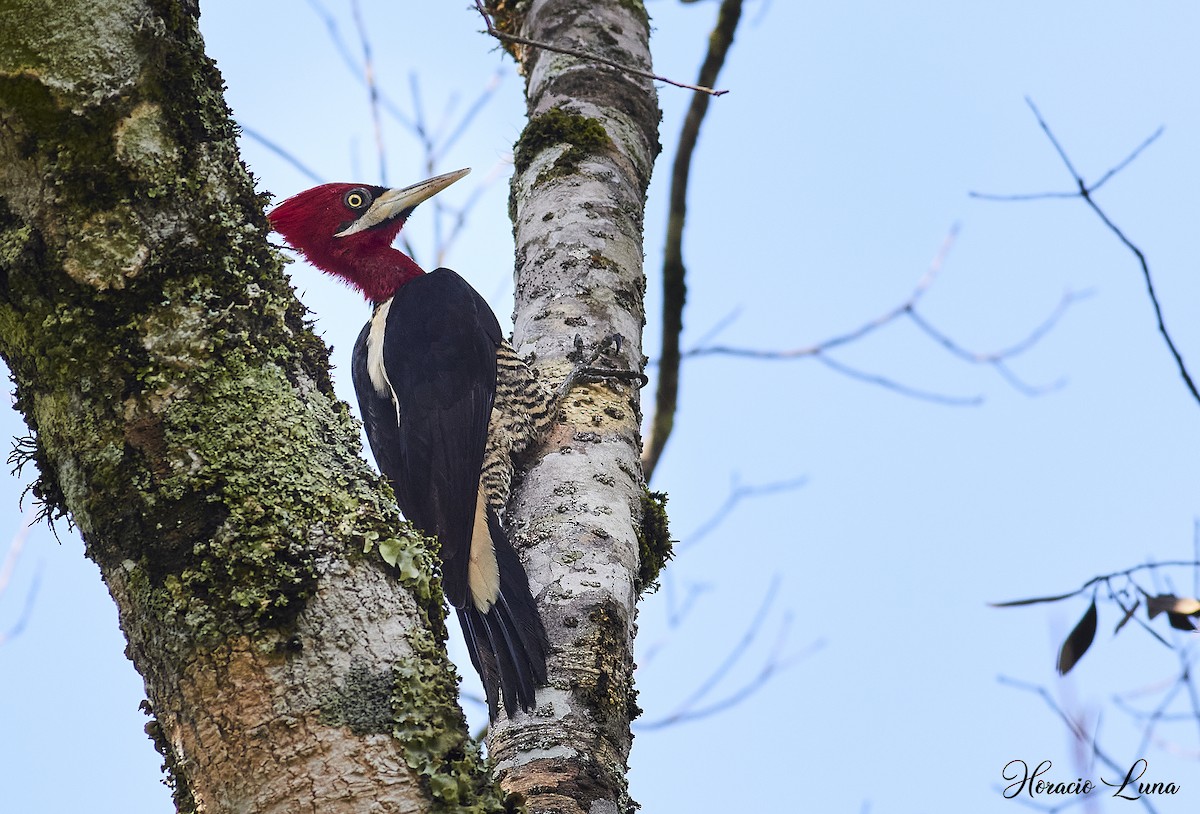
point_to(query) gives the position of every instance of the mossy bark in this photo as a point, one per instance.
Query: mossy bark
(577, 201)
(184, 420)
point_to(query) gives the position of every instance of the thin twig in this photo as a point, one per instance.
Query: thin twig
(493, 176)
(6, 571)
(895, 386)
(1127, 161)
(758, 682)
(372, 89)
(679, 609)
(1076, 730)
(997, 360)
(353, 65)
(1157, 716)
(489, 90)
(1085, 192)
(689, 709)
(296, 163)
(896, 312)
(14, 551)
(737, 493)
(545, 46)
(26, 609)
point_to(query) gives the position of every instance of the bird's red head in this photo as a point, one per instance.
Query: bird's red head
(347, 230)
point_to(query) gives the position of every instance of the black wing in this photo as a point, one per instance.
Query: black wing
(378, 413)
(439, 352)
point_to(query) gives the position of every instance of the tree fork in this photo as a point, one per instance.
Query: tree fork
(184, 418)
(583, 164)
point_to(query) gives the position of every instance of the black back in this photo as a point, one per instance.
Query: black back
(440, 357)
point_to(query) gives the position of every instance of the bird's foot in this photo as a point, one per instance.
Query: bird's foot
(585, 369)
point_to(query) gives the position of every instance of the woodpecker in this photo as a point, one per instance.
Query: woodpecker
(447, 405)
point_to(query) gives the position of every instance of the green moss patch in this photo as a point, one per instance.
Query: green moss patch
(438, 749)
(581, 135)
(655, 546)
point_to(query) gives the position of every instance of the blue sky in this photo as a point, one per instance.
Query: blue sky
(824, 184)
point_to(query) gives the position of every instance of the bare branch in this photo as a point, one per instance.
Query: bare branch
(674, 272)
(677, 608)
(6, 571)
(18, 627)
(290, 158)
(689, 709)
(868, 327)
(372, 89)
(997, 360)
(1151, 566)
(351, 62)
(737, 493)
(572, 52)
(494, 175)
(1128, 159)
(1085, 192)
(489, 90)
(1076, 729)
(897, 387)
(1016, 349)
(1114, 595)
(14, 551)
(1161, 716)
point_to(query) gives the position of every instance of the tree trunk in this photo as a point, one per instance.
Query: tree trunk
(583, 165)
(184, 418)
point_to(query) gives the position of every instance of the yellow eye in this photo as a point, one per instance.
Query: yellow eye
(356, 199)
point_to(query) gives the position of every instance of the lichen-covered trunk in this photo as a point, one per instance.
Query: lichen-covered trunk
(582, 167)
(184, 418)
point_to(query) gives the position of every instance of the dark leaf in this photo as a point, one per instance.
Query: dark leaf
(1169, 603)
(1181, 621)
(1079, 641)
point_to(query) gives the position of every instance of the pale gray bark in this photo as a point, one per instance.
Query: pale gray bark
(583, 165)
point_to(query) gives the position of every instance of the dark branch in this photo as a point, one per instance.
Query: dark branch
(1085, 192)
(1147, 566)
(666, 397)
(572, 52)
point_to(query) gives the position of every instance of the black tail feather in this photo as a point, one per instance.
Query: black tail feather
(479, 646)
(507, 644)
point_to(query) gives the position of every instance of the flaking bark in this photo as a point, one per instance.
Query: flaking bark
(577, 201)
(184, 419)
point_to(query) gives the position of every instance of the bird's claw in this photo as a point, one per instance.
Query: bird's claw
(585, 370)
